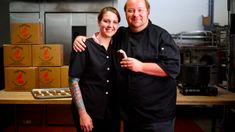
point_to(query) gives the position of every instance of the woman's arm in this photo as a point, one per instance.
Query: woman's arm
(85, 119)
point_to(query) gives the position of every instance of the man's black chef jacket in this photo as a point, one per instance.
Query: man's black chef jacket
(94, 68)
(145, 98)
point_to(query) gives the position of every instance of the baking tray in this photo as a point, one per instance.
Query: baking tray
(50, 93)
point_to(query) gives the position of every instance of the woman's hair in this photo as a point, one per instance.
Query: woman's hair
(146, 3)
(106, 9)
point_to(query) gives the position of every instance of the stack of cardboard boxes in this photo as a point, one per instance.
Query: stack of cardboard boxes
(29, 63)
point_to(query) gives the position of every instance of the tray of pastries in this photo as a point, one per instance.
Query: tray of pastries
(49, 93)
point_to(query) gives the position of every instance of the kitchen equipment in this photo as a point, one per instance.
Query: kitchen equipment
(195, 74)
(198, 90)
(197, 38)
(194, 80)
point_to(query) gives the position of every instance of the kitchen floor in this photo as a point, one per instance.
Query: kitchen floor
(203, 116)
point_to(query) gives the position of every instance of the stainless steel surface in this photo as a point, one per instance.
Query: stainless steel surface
(58, 28)
(24, 6)
(195, 38)
(25, 17)
(87, 6)
(60, 5)
(61, 35)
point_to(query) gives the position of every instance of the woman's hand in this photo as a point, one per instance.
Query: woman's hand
(79, 43)
(85, 121)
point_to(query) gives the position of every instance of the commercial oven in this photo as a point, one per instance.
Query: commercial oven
(62, 28)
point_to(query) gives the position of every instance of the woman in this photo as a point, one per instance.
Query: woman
(91, 79)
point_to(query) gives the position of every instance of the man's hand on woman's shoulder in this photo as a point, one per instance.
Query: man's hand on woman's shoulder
(79, 43)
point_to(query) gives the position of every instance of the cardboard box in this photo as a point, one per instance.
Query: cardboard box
(48, 55)
(64, 76)
(17, 55)
(27, 33)
(49, 77)
(206, 21)
(21, 78)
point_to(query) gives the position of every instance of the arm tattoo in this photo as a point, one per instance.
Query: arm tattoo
(76, 93)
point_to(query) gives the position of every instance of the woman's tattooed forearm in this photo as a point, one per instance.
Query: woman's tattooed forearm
(76, 94)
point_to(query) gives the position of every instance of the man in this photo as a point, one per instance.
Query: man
(146, 78)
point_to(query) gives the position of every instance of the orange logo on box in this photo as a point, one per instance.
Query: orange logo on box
(46, 76)
(20, 78)
(17, 54)
(46, 54)
(25, 31)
